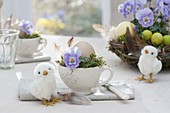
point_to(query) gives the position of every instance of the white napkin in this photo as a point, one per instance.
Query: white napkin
(108, 95)
(24, 94)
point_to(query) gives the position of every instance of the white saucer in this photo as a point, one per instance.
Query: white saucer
(37, 57)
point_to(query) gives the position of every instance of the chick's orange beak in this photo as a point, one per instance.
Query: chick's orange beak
(146, 51)
(45, 73)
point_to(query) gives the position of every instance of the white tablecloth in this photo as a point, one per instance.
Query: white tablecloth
(149, 98)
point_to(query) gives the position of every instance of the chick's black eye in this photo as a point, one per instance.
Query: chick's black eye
(39, 73)
(49, 68)
(152, 53)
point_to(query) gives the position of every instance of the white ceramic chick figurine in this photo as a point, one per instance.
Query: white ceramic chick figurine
(148, 63)
(44, 83)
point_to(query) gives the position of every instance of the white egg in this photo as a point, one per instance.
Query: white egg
(121, 28)
(86, 48)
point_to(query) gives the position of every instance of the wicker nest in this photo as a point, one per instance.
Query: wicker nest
(129, 50)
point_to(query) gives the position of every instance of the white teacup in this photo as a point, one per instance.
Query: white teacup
(83, 80)
(27, 47)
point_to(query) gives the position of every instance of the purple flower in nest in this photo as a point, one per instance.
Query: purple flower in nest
(26, 26)
(71, 57)
(126, 8)
(136, 28)
(145, 17)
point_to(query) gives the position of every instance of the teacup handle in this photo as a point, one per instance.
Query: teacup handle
(108, 79)
(43, 44)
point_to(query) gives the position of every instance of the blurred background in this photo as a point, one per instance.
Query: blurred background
(64, 17)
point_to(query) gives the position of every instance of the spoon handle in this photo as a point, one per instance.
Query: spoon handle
(119, 93)
(116, 91)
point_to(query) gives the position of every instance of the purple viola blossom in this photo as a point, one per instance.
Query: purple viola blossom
(166, 1)
(145, 17)
(120, 8)
(136, 28)
(143, 2)
(156, 10)
(164, 19)
(71, 57)
(165, 10)
(137, 7)
(60, 15)
(139, 4)
(47, 16)
(26, 26)
(160, 4)
(126, 8)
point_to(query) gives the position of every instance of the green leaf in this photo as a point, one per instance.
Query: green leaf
(164, 31)
(154, 28)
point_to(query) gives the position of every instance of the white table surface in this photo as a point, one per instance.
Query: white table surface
(149, 98)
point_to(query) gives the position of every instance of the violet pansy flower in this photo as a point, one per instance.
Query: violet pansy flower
(164, 6)
(139, 4)
(145, 17)
(120, 9)
(26, 27)
(126, 8)
(166, 1)
(166, 10)
(159, 3)
(71, 57)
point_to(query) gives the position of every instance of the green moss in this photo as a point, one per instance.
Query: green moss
(33, 35)
(85, 62)
(121, 38)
